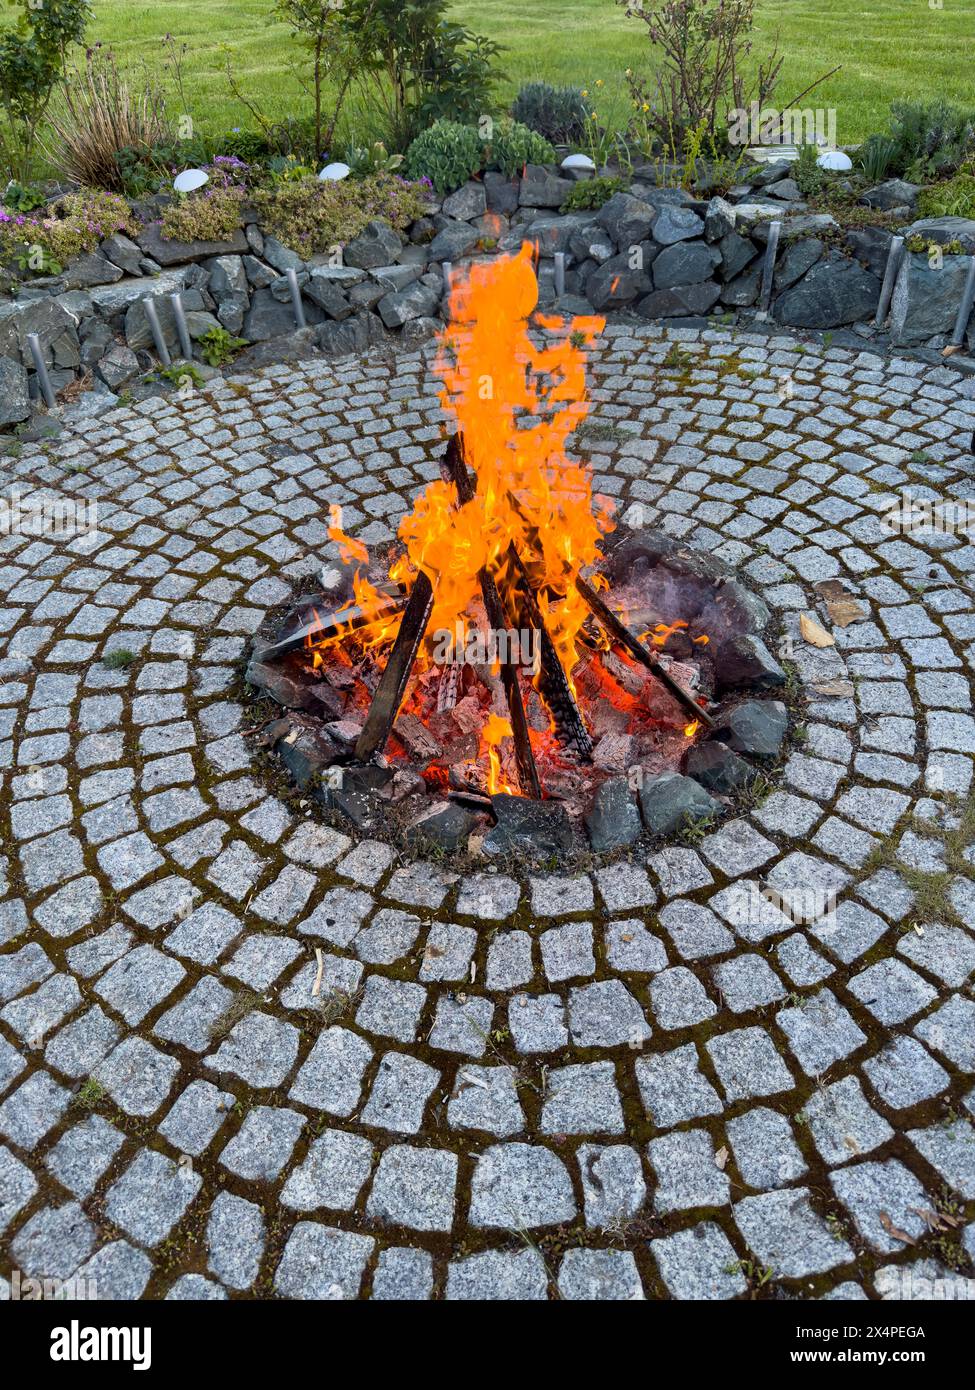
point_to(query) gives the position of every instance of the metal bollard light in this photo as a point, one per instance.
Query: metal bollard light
(965, 307)
(182, 328)
(296, 304)
(559, 274)
(158, 337)
(768, 267)
(40, 367)
(895, 254)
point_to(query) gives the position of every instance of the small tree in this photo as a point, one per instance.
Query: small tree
(320, 26)
(33, 54)
(702, 48)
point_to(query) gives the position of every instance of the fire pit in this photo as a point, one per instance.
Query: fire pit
(521, 675)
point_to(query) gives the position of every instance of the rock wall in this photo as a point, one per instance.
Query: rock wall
(655, 252)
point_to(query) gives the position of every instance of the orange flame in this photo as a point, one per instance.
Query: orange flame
(691, 729)
(495, 729)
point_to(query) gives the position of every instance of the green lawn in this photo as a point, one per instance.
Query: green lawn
(887, 49)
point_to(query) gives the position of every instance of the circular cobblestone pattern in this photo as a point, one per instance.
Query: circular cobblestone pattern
(243, 1055)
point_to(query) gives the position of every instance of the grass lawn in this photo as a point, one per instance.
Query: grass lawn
(887, 49)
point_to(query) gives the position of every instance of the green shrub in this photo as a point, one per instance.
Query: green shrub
(589, 194)
(557, 113)
(312, 216)
(143, 170)
(33, 53)
(876, 155)
(513, 145)
(927, 140)
(18, 197)
(808, 176)
(70, 225)
(447, 154)
(214, 212)
(952, 198)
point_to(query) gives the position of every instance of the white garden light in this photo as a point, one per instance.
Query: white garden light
(835, 161)
(580, 162)
(335, 172)
(190, 179)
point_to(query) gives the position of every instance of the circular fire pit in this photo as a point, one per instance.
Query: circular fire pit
(441, 781)
(519, 675)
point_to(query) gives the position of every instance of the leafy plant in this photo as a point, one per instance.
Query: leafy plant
(416, 66)
(448, 154)
(69, 225)
(590, 194)
(701, 50)
(33, 55)
(558, 113)
(932, 139)
(118, 658)
(809, 178)
(953, 197)
(876, 155)
(37, 261)
(18, 197)
(313, 216)
(219, 347)
(143, 170)
(99, 114)
(513, 145)
(371, 159)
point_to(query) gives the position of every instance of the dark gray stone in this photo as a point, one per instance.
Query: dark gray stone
(746, 660)
(757, 727)
(377, 244)
(453, 241)
(871, 246)
(684, 263)
(118, 366)
(892, 193)
(676, 224)
(613, 820)
(627, 220)
(541, 189)
(614, 284)
(736, 252)
(797, 258)
(680, 302)
(717, 768)
(89, 269)
(834, 292)
(926, 297)
(671, 801)
(166, 252)
(14, 398)
(416, 301)
(537, 828)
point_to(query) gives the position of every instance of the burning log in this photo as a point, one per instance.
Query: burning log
(447, 688)
(350, 618)
(493, 607)
(392, 685)
(622, 635)
(553, 683)
(416, 738)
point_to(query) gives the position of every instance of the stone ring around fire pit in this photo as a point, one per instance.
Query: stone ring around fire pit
(651, 773)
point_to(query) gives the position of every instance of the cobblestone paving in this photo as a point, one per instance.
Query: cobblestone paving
(609, 1085)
